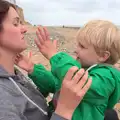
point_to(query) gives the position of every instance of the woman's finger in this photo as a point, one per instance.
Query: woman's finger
(37, 43)
(18, 55)
(46, 33)
(29, 55)
(16, 61)
(85, 88)
(17, 58)
(42, 33)
(39, 37)
(70, 73)
(82, 81)
(55, 43)
(78, 76)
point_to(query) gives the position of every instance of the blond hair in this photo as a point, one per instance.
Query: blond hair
(104, 36)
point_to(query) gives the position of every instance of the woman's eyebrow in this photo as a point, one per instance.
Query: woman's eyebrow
(17, 18)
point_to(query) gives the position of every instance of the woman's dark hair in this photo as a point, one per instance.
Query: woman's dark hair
(4, 8)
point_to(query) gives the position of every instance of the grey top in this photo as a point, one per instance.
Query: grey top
(19, 100)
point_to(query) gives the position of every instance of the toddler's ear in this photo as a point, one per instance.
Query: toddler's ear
(104, 57)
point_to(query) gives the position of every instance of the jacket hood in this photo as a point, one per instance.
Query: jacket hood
(4, 73)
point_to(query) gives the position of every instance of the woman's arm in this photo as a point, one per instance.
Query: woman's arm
(43, 79)
(74, 87)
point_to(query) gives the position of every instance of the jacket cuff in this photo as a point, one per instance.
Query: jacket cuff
(36, 66)
(57, 57)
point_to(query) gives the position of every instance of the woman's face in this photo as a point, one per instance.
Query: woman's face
(12, 34)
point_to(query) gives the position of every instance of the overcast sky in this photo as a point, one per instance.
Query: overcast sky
(69, 12)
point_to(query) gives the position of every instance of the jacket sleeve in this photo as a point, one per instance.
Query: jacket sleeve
(57, 117)
(44, 80)
(61, 63)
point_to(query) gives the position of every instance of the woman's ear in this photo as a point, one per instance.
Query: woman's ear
(104, 56)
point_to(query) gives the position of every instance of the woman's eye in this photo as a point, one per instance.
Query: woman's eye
(16, 24)
(81, 46)
(21, 23)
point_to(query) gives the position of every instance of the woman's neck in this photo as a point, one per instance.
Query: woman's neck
(7, 61)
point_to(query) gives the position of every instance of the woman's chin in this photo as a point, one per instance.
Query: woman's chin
(24, 45)
(22, 48)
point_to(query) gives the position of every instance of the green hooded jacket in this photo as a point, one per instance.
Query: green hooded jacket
(103, 94)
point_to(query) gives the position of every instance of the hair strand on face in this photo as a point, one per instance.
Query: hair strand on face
(4, 8)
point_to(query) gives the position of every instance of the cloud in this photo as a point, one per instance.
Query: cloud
(69, 12)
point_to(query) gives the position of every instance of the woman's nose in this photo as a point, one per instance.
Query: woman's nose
(23, 29)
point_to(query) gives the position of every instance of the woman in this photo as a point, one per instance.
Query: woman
(19, 100)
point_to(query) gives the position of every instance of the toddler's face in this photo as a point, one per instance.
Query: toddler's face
(86, 55)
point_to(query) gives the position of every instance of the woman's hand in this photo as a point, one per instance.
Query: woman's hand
(24, 63)
(72, 92)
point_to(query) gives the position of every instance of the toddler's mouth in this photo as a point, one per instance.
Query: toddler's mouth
(77, 58)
